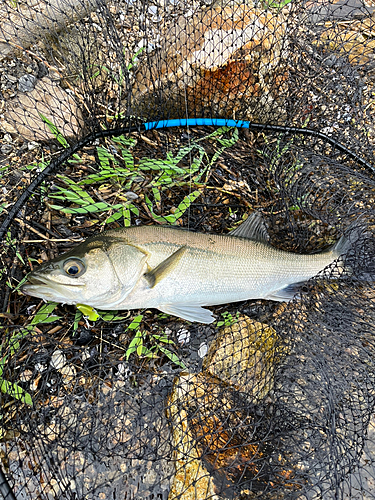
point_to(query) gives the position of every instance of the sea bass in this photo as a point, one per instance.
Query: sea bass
(176, 271)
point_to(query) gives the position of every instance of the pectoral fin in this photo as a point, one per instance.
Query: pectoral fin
(190, 312)
(165, 267)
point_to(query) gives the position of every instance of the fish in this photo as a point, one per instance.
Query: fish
(176, 271)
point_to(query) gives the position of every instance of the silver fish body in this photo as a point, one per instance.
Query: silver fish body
(175, 271)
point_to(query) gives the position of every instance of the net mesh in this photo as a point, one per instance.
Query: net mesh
(273, 400)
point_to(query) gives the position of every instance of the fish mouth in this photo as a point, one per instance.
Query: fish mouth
(47, 289)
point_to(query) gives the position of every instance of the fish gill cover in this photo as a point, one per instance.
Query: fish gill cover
(272, 400)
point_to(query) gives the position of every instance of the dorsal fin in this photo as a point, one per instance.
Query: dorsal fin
(253, 228)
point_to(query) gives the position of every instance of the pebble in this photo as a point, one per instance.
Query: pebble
(69, 374)
(153, 10)
(58, 359)
(32, 145)
(26, 375)
(40, 367)
(183, 336)
(6, 149)
(123, 371)
(131, 196)
(27, 83)
(202, 351)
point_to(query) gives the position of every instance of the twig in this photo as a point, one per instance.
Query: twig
(45, 238)
(55, 240)
(30, 53)
(25, 224)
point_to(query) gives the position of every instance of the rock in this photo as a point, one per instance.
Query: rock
(47, 99)
(215, 440)
(192, 480)
(6, 149)
(58, 359)
(245, 355)
(27, 83)
(350, 43)
(223, 58)
(23, 23)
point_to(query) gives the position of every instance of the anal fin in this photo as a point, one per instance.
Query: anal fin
(285, 294)
(190, 312)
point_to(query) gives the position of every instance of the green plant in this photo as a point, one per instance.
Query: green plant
(73, 193)
(186, 168)
(3, 206)
(119, 78)
(13, 389)
(10, 242)
(92, 314)
(275, 5)
(291, 164)
(228, 319)
(156, 343)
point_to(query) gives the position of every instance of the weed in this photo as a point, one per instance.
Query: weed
(92, 314)
(13, 390)
(270, 4)
(158, 343)
(228, 319)
(10, 242)
(140, 339)
(290, 167)
(186, 168)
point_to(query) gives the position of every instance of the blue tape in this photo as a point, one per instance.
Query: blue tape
(191, 122)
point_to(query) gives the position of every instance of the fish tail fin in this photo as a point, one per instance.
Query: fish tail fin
(345, 243)
(356, 250)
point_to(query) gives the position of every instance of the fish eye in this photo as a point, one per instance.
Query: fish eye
(74, 267)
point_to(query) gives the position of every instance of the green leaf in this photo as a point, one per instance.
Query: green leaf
(181, 209)
(127, 218)
(163, 338)
(128, 142)
(134, 344)
(42, 315)
(55, 131)
(16, 392)
(133, 60)
(173, 357)
(94, 208)
(76, 188)
(187, 201)
(151, 164)
(51, 319)
(111, 316)
(113, 218)
(136, 322)
(77, 318)
(88, 311)
(128, 158)
(134, 209)
(105, 158)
